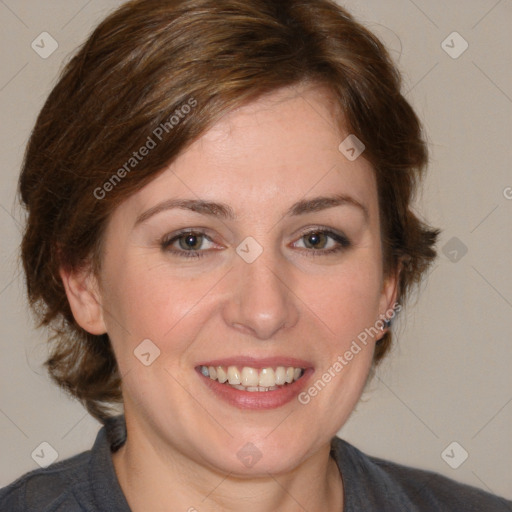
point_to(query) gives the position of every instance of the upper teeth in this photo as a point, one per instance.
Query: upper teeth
(252, 379)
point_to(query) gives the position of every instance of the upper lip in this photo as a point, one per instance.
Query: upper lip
(254, 362)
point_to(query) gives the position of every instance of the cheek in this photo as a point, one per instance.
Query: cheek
(156, 303)
(348, 303)
(348, 300)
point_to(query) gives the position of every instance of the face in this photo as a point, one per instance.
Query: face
(258, 249)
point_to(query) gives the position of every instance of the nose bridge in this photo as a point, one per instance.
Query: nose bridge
(260, 302)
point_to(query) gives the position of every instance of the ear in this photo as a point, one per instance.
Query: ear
(84, 298)
(389, 293)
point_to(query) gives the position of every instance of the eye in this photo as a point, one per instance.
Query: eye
(191, 241)
(322, 241)
(189, 244)
(317, 240)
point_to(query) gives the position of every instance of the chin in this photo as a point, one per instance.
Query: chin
(250, 456)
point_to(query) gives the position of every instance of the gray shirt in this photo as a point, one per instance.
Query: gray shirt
(88, 482)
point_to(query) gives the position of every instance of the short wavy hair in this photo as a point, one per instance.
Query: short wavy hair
(138, 68)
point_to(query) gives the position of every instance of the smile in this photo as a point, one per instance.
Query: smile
(253, 379)
(258, 384)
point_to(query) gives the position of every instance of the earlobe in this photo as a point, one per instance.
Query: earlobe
(84, 299)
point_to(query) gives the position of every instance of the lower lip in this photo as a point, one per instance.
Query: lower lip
(257, 399)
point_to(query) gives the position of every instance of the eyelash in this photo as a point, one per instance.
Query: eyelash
(342, 241)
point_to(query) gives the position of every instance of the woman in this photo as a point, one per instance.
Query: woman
(220, 234)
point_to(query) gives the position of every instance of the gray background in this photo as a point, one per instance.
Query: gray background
(448, 377)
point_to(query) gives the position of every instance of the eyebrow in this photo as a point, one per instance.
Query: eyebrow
(224, 211)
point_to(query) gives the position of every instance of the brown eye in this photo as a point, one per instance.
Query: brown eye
(189, 244)
(322, 242)
(191, 241)
(315, 240)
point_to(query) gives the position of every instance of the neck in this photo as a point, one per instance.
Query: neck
(160, 478)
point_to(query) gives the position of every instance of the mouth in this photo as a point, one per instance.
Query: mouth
(255, 384)
(253, 379)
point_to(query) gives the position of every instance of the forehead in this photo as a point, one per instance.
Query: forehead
(278, 149)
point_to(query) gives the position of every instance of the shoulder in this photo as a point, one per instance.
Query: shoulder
(376, 484)
(84, 482)
(47, 490)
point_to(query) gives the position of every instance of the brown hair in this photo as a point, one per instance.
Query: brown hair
(133, 77)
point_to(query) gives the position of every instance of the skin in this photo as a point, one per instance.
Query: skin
(293, 300)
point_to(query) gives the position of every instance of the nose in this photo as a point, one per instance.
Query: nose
(260, 301)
